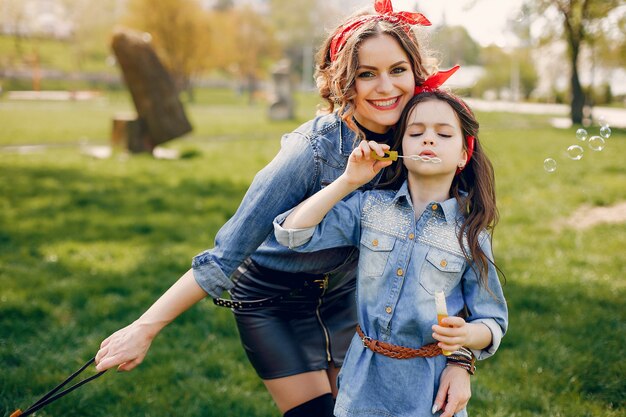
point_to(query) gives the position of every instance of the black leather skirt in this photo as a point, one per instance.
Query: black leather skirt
(309, 323)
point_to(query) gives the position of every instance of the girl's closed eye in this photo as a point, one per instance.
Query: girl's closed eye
(414, 132)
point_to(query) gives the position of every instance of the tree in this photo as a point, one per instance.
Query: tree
(608, 41)
(456, 46)
(581, 20)
(91, 28)
(179, 30)
(511, 72)
(255, 49)
(14, 14)
(497, 71)
(300, 26)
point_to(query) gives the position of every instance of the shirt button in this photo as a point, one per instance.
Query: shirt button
(434, 207)
(400, 272)
(375, 242)
(411, 236)
(443, 263)
(388, 310)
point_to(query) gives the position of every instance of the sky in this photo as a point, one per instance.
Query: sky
(485, 20)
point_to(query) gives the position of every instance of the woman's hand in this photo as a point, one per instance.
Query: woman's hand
(125, 348)
(362, 168)
(455, 390)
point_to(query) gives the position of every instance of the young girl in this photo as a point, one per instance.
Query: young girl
(296, 312)
(424, 235)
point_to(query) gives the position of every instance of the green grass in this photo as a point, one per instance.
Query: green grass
(216, 115)
(86, 245)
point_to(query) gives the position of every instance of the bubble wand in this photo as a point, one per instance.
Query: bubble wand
(393, 156)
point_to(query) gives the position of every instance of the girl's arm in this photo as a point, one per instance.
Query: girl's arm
(457, 333)
(127, 347)
(488, 319)
(361, 169)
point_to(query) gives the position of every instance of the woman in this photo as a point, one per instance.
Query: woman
(296, 312)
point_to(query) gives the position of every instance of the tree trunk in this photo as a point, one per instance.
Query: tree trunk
(578, 95)
(152, 88)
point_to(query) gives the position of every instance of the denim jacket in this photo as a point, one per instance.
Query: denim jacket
(312, 156)
(403, 261)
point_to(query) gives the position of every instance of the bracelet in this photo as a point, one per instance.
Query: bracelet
(463, 358)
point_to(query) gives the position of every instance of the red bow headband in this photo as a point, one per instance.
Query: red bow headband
(433, 83)
(436, 80)
(384, 11)
(470, 150)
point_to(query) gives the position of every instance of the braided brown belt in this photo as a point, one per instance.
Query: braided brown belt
(398, 352)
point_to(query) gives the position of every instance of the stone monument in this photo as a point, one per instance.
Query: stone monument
(160, 114)
(282, 104)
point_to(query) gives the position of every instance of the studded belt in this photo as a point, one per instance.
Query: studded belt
(320, 283)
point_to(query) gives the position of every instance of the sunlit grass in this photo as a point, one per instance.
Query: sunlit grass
(86, 245)
(218, 114)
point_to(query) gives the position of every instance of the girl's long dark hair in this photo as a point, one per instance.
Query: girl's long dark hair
(476, 179)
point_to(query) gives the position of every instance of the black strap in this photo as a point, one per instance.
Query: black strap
(321, 284)
(50, 396)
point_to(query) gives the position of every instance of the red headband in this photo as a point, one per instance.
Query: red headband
(433, 83)
(470, 150)
(384, 11)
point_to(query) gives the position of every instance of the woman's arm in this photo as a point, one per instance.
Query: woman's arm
(293, 168)
(288, 179)
(361, 169)
(127, 347)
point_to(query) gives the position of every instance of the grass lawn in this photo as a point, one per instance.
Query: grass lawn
(86, 245)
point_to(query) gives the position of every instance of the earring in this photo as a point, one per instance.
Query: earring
(461, 164)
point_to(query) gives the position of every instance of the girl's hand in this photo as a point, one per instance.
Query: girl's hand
(125, 348)
(362, 168)
(454, 391)
(454, 334)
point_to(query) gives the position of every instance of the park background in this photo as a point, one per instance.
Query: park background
(89, 238)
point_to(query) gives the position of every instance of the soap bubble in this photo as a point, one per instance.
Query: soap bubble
(581, 134)
(549, 165)
(605, 132)
(602, 121)
(575, 152)
(596, 143)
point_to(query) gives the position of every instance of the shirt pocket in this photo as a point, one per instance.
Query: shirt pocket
(375, 249)
(331, 166)
(441, 271)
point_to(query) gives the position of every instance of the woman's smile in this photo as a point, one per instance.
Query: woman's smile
(386, 104)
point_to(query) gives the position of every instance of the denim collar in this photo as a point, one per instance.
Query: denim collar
(449, 207)
(347, 138)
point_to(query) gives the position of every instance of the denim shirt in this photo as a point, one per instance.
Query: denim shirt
(403, 262)
(312, 156)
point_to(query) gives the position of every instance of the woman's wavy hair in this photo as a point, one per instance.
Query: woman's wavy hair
(473, 187)
(335, 78)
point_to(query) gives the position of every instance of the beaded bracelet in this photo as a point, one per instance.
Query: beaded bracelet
(463, 358)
